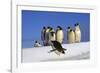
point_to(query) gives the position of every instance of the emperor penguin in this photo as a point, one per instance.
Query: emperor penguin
(57, 47)
(52, 35)
(37, 44)
(77, 33)
(43, 33)
(59, 34)
(70, 35)
(47, 35)
(68, 29)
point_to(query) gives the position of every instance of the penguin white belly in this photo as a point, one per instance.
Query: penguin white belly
(77, 36)
(52, 38)
(60, 36)
(71, 37)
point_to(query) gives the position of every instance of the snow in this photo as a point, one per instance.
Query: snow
(75, 51)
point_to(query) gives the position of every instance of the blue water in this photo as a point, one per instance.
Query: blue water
(33, 22)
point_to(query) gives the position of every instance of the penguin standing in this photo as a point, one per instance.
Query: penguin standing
(47, 36)
(77, 33)
(70, 35)
(52, 35)
(68, 29)
(37, 44)
(59, 34)
(43, 33)
(57, 47)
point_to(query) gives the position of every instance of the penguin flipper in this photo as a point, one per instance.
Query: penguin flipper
(52, 50)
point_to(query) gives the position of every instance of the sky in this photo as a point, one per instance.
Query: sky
(33, 22)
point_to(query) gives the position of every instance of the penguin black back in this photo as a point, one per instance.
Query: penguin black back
(56, 44)
(58, 47)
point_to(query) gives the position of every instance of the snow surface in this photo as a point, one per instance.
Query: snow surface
(75, 51)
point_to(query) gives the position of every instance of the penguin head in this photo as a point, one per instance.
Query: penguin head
(77, 24)
(48, 27)
(44, 27)
(68, 27)
(63, 52)
(59, 28)
(71, 30)
(35, 41)
(51, 29)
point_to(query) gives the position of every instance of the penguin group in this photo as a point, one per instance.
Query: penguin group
(49, 34)
(53, 38)
(74, 35)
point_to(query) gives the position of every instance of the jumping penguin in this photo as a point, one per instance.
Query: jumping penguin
(70, 35)
(57, 47)
(59, 34)
(43, 33)
(77, 33)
